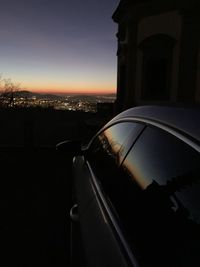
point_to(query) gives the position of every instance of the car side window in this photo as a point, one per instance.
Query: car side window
(159, 202)
(110, 147)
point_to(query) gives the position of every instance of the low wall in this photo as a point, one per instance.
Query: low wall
(27, 127)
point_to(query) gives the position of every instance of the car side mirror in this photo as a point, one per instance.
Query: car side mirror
(69, 146)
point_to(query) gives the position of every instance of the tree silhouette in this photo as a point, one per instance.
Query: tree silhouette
(7, 91)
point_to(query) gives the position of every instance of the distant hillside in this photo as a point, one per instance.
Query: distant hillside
(28, 94)
(73, 97)
(83, 97)
(93, 98)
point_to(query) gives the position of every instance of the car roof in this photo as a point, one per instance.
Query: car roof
(183, 119)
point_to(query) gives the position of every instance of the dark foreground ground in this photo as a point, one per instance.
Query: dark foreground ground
(35, 198)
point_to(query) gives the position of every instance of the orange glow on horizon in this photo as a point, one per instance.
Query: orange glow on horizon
(66, 89)
(53, 91)
(75, 85)
(77, 92)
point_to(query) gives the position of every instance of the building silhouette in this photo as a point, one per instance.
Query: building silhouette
(158, 52)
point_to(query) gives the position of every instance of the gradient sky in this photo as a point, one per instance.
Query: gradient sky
(59, 45)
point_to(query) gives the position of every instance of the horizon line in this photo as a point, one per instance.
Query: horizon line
(69, 92)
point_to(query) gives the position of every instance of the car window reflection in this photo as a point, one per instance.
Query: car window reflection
(109, 149)
(163, 198)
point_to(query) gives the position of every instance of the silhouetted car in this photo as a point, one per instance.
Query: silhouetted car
(137, 189)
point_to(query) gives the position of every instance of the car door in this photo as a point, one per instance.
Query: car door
(96, 176)
(160, 208)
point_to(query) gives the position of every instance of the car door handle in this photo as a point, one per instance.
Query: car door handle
(74, 213)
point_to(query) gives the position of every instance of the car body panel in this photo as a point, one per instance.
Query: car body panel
(186, 120)
(101, 246)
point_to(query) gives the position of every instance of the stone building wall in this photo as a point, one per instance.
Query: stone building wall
(158, 52)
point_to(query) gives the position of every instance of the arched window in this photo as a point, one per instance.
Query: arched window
(157, 67)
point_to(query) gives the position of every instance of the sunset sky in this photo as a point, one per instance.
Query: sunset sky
(59, 45)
